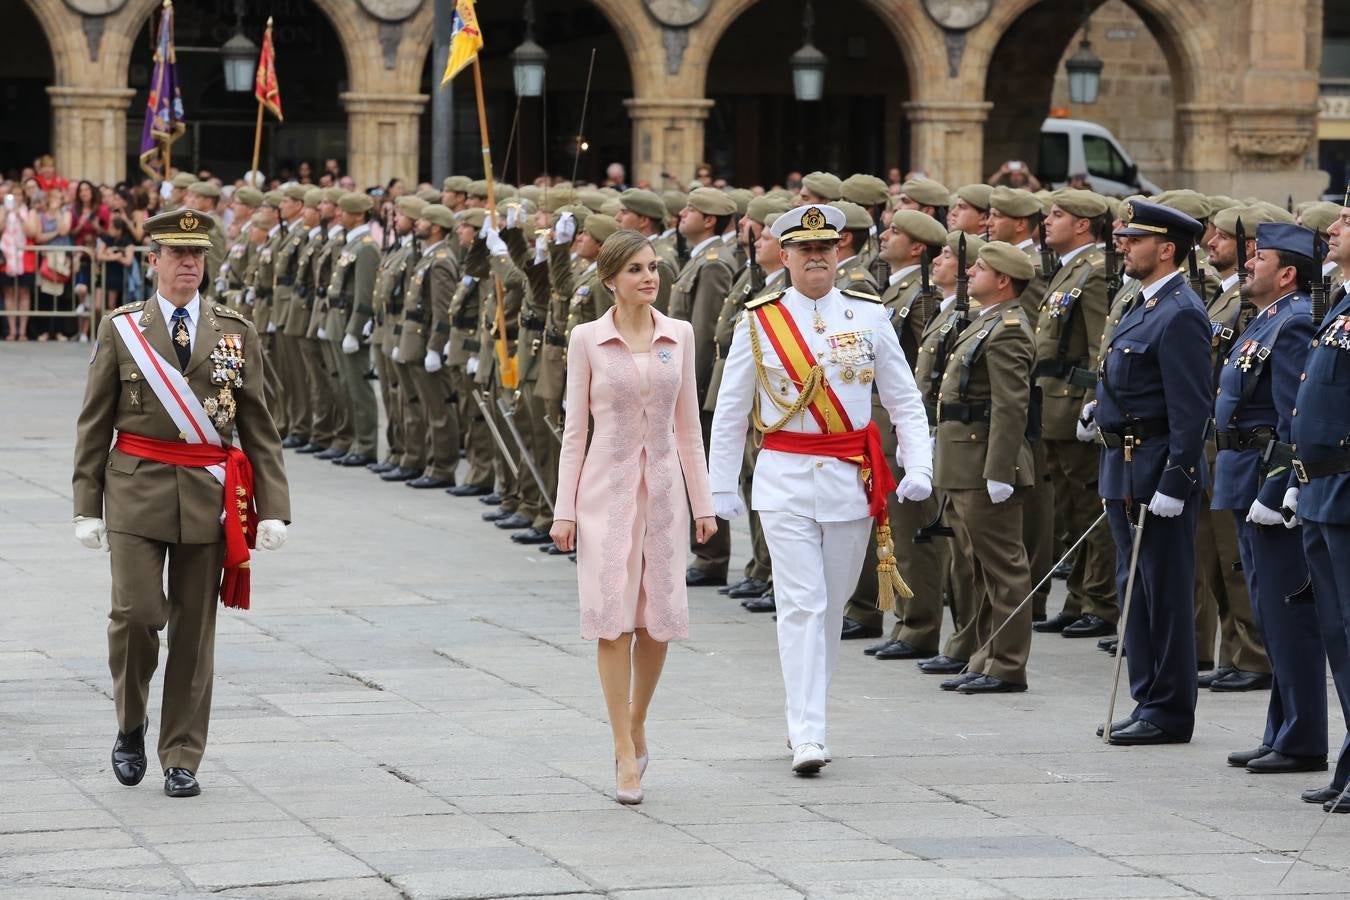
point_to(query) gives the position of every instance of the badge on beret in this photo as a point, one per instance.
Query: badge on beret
(813, 219)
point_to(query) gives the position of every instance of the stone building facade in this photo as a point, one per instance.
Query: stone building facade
(1220, 96)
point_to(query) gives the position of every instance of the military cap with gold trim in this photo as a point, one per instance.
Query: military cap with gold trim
(180, 228)
(920, 226)
(250, 197)
(456, 184)
(855, 217)
(1144, 219)
(644, 203)
(439, 215)
(410, 206)
(824, 184)
(1006, 259)
(1014, 202)
(356, 202)
(865, 190)
(204, 189)
(712, 202)
(809, 223)
(184, 180)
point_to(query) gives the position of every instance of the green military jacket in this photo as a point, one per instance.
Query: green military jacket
(431, 285)
(215, 256)
(458, 322)
(305, 299)
(552, 362)
(353, 283)
(391, 281)
(288, 310)
(697, 297)
(853, 274)
(1069, 324)
(263, 273)
(750, 284)
(325, 318)
(1031, 297)
(514, 287)
(230, 274)
(907, 315)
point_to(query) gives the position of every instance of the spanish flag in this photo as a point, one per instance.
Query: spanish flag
(465, 40)
(265, 86)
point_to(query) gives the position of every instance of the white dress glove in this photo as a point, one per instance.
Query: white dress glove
(1087, 423)
(495, 245)
(368, 329)
(221, 285)
(1290, 501)
(565, 230)
(1260, 514)
(1165, 506)
(513, 216)
(321, 333)
(271, 534)
(92, 532)
(915, 486)
(432, 361)
(271, 327)
(472, 365)
(350, 344)
(998, 490)
(249, 294)
(540, 249)
(393, 354)
(727, 505)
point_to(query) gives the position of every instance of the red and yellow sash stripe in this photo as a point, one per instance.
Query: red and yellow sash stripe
(797, 358)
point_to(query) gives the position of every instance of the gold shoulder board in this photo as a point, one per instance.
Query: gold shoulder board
(128, 308)
(710, 255)
(860, 295)
(229, 313)
(764, 298)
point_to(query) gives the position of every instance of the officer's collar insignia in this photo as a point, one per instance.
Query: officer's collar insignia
(187, 222)
(813, 219)
(1152, 302)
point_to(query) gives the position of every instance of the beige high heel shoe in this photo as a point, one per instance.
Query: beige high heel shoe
(624, 796)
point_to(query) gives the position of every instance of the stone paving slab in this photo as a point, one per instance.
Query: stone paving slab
(408, 712)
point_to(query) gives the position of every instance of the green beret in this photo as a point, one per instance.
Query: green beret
(410, 205)
(260, 222)
(855, 217)
(784, 195)
(1014, 202)
(204, 189)
(456, 184)
(769, 220)
(712, 202)
(1319, 215)
(272, 199)
(600, 226)
(1047, 200)
(184, 180)
(333, 194)
(474, 216)
(251, 197)
(973, 244)
(440, 215)
(502, 192)
(977, 195)
(429, 195)
(1192, 203)
(180, 228)
(295, 191)
(674, 201)
(926, 192)
(477, 189)
(1276, 213)
(611, 207)
(609, 192)
(760, 208)
(555, 198)
(356, 202)
(532, 193)
(1225, 220)
(1221, 201)
(741, 197)
(591, 199)
(1083, 204)
(823, 184)
(313, 197)
(920, 226)
(1007, 259)
(865, 190)
(644, 203)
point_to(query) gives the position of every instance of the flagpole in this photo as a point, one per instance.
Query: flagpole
(257, 129)
(506, 364)
(168, 141)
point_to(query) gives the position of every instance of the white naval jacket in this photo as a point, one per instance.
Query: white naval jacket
(817, 487)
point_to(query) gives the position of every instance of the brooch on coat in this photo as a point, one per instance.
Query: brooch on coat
(663, 355)
(227, 370)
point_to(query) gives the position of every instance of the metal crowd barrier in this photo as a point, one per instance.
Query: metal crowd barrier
(93, 300)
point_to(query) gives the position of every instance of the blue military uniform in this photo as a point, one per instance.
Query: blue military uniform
(1154, 398)
(1321, 436)
(1252, 416)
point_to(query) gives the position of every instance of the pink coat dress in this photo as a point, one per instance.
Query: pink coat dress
(625, 492)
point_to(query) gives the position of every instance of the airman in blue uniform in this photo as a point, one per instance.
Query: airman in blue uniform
(1154, 398)
(1253, 414)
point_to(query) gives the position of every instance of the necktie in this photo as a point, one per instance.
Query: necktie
(182, 341)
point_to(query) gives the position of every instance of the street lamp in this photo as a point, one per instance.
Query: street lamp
(1085, 71)
(528, 60)
(808, 64)
(239, 56)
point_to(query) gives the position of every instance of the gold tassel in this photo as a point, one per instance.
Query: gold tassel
(889, 582)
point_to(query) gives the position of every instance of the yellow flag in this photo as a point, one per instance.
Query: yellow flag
(465, 40)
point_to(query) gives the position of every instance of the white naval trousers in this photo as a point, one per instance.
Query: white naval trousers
(815, 569)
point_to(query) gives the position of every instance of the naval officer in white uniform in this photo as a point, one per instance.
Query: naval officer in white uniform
(801, 370)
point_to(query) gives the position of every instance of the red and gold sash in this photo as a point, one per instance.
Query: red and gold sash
(798, 359)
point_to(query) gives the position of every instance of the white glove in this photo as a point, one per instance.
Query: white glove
(432, 361)
(271, 534)
(1165, 506)
(321, 333)
(486, 227)
(1088, 433)
(1260, 514)
(540, 249)
(350, 344)
(1290, 501)
(393, 354)
(565, 230)
(271, 327)
(496, 246)
(727, 505)
(220, 285)
(472, 365)
(249, 294)
(998, 490)
(513, 216)
(915, 486)
(91, 532)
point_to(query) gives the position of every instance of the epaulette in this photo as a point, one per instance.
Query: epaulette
(1012, 321)
(857, 275)
(441, 254)
(860, 295)
(137, 306)
(229, 313)
(711, 255)
(367, 239)
(764, 298)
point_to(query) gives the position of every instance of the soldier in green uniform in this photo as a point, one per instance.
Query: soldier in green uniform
(697, 297)
(820, 188)
(328, 319)
(854, 270)
(229, 275)
(871, 193)
(180, 183)
(969, 211)
(927, 196)
(153, 504)
(290, 367)
(349, 295)
(391, 280)
(202, 196)
(984, 463)
(297, 329)
(259, 292)
(645, 212)
(1319, 217)
(454, 329)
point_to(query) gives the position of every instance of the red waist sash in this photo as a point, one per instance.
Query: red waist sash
(240, 510)
(862, 448)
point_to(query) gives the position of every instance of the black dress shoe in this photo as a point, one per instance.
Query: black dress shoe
(1321, 795)
(531, 536)
(1209, 678)
(988, 684)
(1108, 645)
(872, 650)
(513, 522)
(1238, 680)
(491, 498)
(1037, 617)
(952, 684)
(1204, 665)
(1088, 626)
(181, 783)
(1118, 724)
(728, 588)
(291, 442)
(352, 461)
(1339, 805)
(379, 468)
(128, 756)
(1055, 624)
(750, 587)
(1143, 732)
(700, 578)
(1062, 570)
(330, 454)
(468, 490)
(1241, 758)
(398, 473)
(941, 665)
(426, 482)
(311, 448)
(1277, 763)
(854, 630)
(903, 650)
(552, 550)
(762, 603)
(494, 514)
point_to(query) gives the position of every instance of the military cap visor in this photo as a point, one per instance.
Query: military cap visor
(180, 228)
(809, 223)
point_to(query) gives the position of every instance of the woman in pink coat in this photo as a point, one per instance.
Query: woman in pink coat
(632, 371)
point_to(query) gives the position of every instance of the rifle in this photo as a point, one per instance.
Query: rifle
(1049, 258)
(1246, 309)
(928, 299)
(1321, 285)
(1114, 281)
(935, 528)
(1193, 275)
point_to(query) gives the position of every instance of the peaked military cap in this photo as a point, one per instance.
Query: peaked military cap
(865, 190)
(644, 203)
(809, 223)
(1143, 219)
(356, 202)
(920, 226)
(712, 202)
(1288, 238)
(1005, 258)
(180, 228)
(824, 184)
(1014, 202)
(440, 215)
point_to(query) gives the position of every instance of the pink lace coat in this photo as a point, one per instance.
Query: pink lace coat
(630, 477)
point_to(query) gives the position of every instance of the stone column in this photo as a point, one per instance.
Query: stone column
(667, 137)
(89, 131)
(382, 136)
(947, 139)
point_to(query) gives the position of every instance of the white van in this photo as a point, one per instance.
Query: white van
(1072, 146)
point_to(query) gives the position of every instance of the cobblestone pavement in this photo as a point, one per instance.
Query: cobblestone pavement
(408, 711)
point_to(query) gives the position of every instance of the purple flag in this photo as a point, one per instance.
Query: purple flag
(164, 108)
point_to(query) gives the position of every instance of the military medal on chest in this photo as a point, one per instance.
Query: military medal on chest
(1337, 333)
(1247, 355)
(227, 371)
